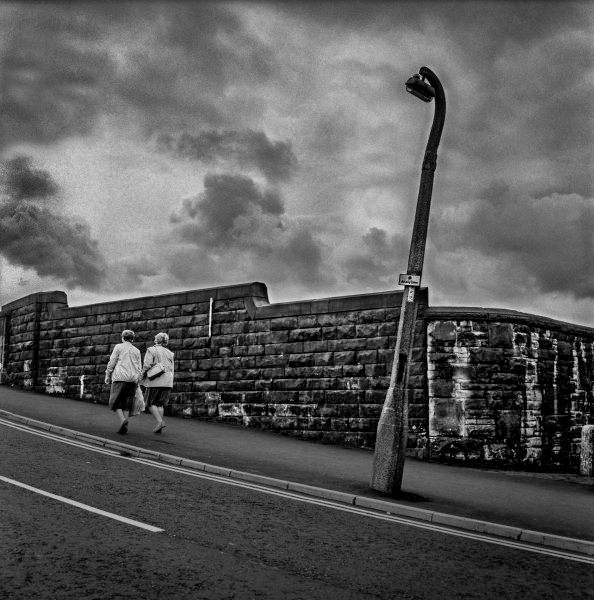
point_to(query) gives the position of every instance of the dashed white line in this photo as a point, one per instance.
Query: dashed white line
(92, 509)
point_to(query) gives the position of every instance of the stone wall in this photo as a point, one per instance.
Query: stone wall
(316, 369)
(486, 386)
(506, 387)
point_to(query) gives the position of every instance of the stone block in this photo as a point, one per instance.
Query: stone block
(323, 383)
(380, 343)
(283, 323)
(345, 358)
(367, 357)
(300, 360)
(372, 316)
(375, 370)
(367, 330)
(307, 321)
(356, 371)
(443, 331)
(290, 384)
(346, 332)
(345, 345)
(389, 329)
(266, 377)
(315, 346)
(445, 417)
(324, 359)
(362, 424)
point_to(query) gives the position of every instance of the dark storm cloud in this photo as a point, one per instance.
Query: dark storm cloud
(21, 181)
(228, 209)
(521, 20)
(549, 239)
(35, 236)
(233, 217)
(51, 75)
(156, 65)
(275, 160)
(546, 110)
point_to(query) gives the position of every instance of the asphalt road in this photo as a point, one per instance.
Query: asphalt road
(221, 541)
(559, 504)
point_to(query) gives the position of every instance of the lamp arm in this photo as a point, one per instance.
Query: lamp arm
(440, 109)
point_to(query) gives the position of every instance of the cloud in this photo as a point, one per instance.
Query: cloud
(66, 70)
(36, 236)
(52, 76)
(237, 227)
(275, 160)
(21, 181)
(227, 212)
(382, 259)
(547, 243)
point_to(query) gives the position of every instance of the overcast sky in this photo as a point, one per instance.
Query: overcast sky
(153, 147)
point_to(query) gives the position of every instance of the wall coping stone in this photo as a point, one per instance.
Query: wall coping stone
(55, 296)
(316, 306)
(256, 290)
(470, 313)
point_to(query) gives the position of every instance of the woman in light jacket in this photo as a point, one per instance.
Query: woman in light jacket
(159, 388)
(123, 373)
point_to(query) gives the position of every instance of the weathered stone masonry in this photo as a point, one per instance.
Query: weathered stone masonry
(485, 385)
(507, 387)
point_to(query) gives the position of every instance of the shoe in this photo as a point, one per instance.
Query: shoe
(159, 427)
(123, 428)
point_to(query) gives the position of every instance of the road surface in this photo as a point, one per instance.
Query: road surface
(93, 524)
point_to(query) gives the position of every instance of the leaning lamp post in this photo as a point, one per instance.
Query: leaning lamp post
(390, 445)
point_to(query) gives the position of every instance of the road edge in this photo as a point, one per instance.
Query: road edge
(528, 536)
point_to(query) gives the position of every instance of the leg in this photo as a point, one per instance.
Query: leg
(156, 413)
(123, 416)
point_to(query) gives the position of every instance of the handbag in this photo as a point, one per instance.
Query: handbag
(139, 405)
(155, 371)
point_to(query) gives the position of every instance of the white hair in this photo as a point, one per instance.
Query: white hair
(162, 338)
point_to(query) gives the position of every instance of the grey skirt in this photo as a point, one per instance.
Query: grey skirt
(156, 396)
(121, 395)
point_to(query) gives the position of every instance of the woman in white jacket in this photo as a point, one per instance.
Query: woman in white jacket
(123, 372)
(158, 388)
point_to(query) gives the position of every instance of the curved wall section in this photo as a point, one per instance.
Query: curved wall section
(507, 388)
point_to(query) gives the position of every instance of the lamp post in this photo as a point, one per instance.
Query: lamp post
(390, 445)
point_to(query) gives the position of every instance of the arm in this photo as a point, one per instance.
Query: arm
(149, 359)
(138, 365)
(113, 359)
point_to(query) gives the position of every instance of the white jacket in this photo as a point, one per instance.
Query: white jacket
(124, 363)
(155, 354)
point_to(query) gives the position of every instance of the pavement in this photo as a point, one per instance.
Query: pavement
(554, 510)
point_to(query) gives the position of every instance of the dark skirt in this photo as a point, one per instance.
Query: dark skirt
(121, 395)
(156, 396)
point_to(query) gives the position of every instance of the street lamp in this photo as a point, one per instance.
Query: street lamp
(390, 445)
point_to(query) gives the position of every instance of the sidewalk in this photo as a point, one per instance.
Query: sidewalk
(518, 503)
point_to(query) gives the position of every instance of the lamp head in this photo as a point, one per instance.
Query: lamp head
(418, 87)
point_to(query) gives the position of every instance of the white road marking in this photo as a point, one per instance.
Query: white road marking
(360, 511)
(92, 509)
